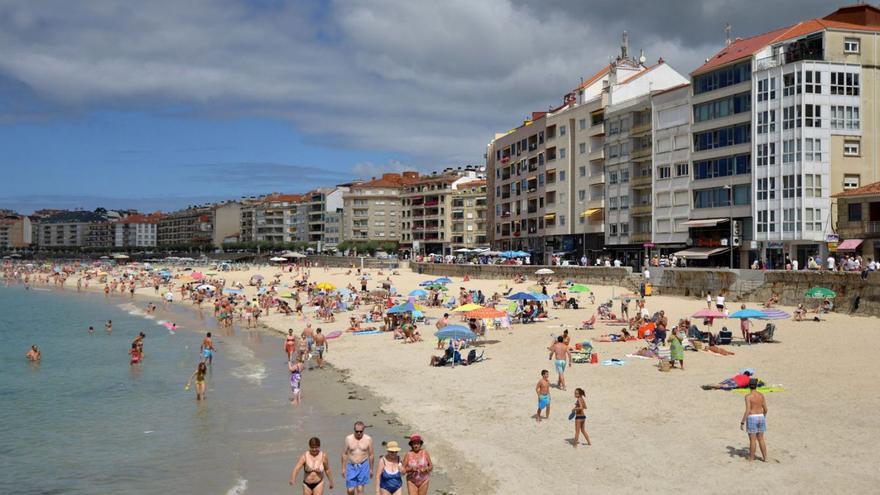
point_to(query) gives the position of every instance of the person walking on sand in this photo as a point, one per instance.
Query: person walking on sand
(676, 348)
(357, 460)
(580, 416)
(563, 357)
(199, 374)
(418, 466)
(321, 347)
(315, 467)
(755, 419)
(389, 471)
(543, 391)
(207, 349)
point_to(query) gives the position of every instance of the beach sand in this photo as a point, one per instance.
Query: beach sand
(651, 431)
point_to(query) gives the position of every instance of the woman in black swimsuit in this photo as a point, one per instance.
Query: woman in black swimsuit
(315, 467)
(580, 416)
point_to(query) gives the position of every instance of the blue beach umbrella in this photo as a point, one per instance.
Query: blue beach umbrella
(521, 254)
(232, 291)
(455, 332)
(418, 293)
(508, 254)
(406, 307)
(426, 283)
(540, 297)
(521, 296)
(748, 313)
(443, 280)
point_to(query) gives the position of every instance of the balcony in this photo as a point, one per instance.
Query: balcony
(596, 179)
(597, 130)
(596, 203)
(640, 237)
(641, 181)
(640, 128)
(640, 209)
(641, 154)
(598, 154)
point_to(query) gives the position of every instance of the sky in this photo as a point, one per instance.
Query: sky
(162, 104)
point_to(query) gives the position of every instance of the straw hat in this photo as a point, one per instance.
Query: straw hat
(392, 446)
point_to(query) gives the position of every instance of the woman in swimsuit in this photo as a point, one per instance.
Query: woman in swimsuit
(296, 370)
(290, 344)
(315, 467)
(580, 417)
(418, 466)
(389, 472)
(199, 374)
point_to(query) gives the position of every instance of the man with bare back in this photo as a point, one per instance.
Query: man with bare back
(563, 357)
(357, 460)
(754, 419)
(543, 391)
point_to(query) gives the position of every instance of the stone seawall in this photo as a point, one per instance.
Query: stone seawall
(587, 275)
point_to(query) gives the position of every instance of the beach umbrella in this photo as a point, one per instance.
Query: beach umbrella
(508, 254)
(345, 291)
(708, 313)
(438, 287)
(277, 258)
(819, 293)
(579, 288)
(325, 286)
(775, 314)
(455, 332)
(443, 280)
(232, 291)
(748, 313)
(484, 313)
(287, 294)
(544, 271)
(406, 307)
(418, 293)
(521, 254)
(206, 287)
(426, 283)
(521, 296)
(540, 297)
(197, 275)
(466, 307)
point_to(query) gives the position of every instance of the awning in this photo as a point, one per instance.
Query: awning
(707, 222)
(700, 253)
(550, 216)
(849, 245)
(591, 211)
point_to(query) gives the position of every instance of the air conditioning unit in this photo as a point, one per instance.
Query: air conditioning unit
(737, 241)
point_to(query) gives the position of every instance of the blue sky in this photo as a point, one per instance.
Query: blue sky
(173, 103)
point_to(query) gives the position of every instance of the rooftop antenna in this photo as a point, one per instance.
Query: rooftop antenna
(727, 34)
(642, 58)
(624, 47)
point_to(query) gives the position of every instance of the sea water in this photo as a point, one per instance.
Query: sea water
(84, 420)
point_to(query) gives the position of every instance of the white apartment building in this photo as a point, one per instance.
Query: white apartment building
(671, 114)
(136, 231)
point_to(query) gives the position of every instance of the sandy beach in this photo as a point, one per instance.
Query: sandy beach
(651, 431)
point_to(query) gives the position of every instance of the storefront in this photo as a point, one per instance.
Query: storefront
(712, 236)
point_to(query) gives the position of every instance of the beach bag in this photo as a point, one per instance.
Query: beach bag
(664, 365)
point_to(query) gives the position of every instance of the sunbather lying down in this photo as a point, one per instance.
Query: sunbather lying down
(739, 381)
(719, 350)
(623, 336)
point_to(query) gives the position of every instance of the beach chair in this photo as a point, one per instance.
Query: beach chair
(725, 336)
(472, 358)
(765, 335)
(588, 324)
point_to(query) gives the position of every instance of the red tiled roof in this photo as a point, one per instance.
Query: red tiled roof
(154, 218)
(595, 77)
(387, 180)
(870, 189)
(667, 90)
(640, 73)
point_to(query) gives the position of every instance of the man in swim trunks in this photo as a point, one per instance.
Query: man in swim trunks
(208, 349)
(309, 334)
(357, 460)
(754, 419)
(320, 347)
(543, 391)
(563, 357)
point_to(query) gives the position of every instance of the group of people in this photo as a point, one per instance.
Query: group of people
(389, 474)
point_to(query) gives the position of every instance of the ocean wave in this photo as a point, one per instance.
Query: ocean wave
(252, 372)
(133, 310)
(238, 488)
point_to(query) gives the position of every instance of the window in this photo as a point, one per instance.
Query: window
(742, 194)
(813, 82)
(791, 117)
(791, 150)
(766, 221)
(767, 154)
(582, 124)
(612, 178)
(561, 220)
(582, 195)
(791, 83)
(561, 175)
(561, 153)
(812, 150)
(789, 220)
(562, 130)
(851, 181)
(722, 167)
(682, 169)
(854, 212)
(791, 186)
(766, 188)
(624, 176)
(664, 145)
(624, 229)
(766, 121)
(851, 148)
(612, 203)
(715, 197)
(681, 198)
(582, 171)
(844, 83)
(723, 107)
(845, 117)
(624, 202)
(664, 199)
(813, 185)
(813, 115)
(850, 45)
(582, 148)
(613, 151)
(767, 89)
(813, 219)
(719, 138)
(664, 172)
(663, 226)
(613, 227)
(613, 127)
(722, 78)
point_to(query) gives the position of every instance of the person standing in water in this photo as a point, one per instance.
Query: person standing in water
(199, 374)
(321, 347)
(389, 471)
(207, 349)
(755, 419)
(34, 354)
(418, 466)
(315, 467)
(543, 391)
(91, 330)
(357, 460)
(290, 345)
(580, 416)
(296, 370)
(109, 326)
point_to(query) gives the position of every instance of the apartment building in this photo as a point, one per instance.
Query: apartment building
(782, 121)
(16, 231)
(206, 225)
(66, 229)
(468, 215)
(136, 231)
(427, 210)
(671, 114)
(323, 217)
(858, 221)
(100, 235)
(374, 208)
(272, 218)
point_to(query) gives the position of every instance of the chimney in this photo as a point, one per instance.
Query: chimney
(624, 47)
(727, 34)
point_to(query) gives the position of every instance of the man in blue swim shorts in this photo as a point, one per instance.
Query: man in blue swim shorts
(755, 420)
(357, 460)
(543, 391)
(208, 349)
(559, 349)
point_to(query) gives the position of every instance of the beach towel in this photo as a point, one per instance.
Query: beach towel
(334, 335)
(613, 362)
(764, 390)
(367, 332)
(638, 357)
